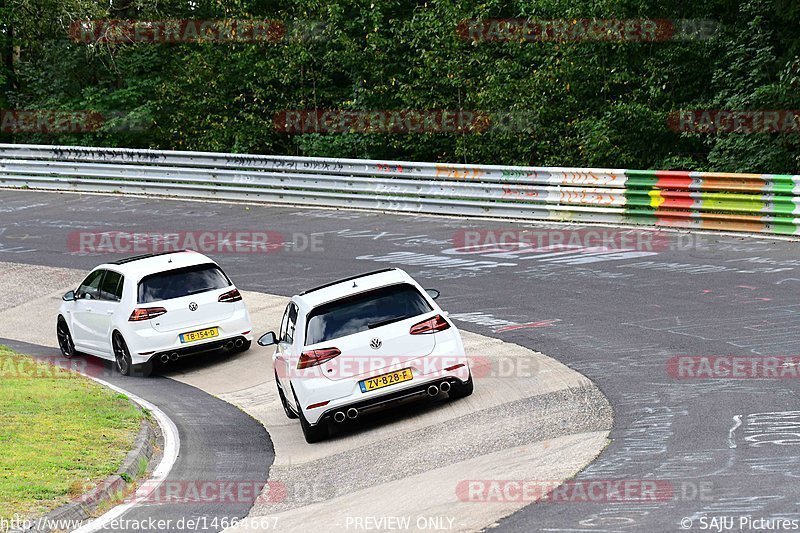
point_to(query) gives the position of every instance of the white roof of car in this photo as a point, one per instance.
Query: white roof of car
(140, 266)
(356, 284)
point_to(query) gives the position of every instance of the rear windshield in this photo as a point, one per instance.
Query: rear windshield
(364, 311)
(181, 282)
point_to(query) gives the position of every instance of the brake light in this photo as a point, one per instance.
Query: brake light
(320, 404)
(146, 313)
(432, 325)
(231, 296)
(317, 357)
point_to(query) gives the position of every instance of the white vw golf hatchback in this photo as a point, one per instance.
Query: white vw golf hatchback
(358, 344)
(154, 307)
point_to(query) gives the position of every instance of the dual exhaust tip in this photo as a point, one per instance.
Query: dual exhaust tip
(230, 345)
(433, 390)
(166, 358)
(339, 416)
(352, 413)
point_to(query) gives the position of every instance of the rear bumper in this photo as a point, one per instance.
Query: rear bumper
(147, 344)
(221, 345)
(417, 390)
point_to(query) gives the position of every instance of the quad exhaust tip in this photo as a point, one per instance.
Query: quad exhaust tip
(338, 416)
(352, 413)
(173, 356)
(164, 358)
(433, 390)
(239, 343)
(445, 386)
(229, 345)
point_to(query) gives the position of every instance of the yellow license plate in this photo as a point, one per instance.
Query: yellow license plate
(199, 335)
(384, 380)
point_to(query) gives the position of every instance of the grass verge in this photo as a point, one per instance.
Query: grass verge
(60, 434)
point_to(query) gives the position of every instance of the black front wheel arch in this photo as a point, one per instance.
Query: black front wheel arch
(65, 341)
(122, 356)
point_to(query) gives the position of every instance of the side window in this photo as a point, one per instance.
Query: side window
(290, 325)
(111, 289)
(90, 288)
(284, 321)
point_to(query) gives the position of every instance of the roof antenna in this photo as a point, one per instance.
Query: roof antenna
(354, 285)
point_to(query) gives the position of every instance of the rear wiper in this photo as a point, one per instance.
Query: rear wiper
(384, 322)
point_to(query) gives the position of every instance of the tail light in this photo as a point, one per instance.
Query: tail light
(231, 296)
(146, 313)
(317, 357)
(432, 325)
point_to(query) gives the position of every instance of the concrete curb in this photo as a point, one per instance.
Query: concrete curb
(83, 507)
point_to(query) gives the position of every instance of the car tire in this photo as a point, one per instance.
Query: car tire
(122, 356)
(286, 409)
(312, 433)
(462, 390)
(65, 341)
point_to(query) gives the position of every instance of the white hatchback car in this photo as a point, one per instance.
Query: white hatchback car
(362, 343)
(154, 307)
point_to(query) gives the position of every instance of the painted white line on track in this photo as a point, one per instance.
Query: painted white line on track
(172, 445)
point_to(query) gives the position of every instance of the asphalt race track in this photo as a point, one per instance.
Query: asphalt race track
(218, 443)
(716, 447)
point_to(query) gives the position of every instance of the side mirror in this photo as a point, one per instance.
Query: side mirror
(433, 293)
(267, 339)
(69, 297)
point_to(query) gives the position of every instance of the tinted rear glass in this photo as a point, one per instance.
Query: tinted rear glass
(181, 282)
(364, 311)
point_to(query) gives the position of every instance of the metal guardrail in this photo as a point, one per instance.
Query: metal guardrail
(765, 203)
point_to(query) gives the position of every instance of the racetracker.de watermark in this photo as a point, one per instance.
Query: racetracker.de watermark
(61, 121)
(208, 491)
(178, 31)
(502, 240)
(575, 30)
(718, 121)
(734, 367)
(274, 493)
(366, 366)
(400, 121)
(51, 367)
(581, 491)
(203, 241)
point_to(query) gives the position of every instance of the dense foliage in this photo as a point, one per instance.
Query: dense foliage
(585, 103)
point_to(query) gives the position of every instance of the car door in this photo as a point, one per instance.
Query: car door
(284, 357)
(101, 316)
(87, 297)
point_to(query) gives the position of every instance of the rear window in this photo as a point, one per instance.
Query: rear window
(364, 311)
(181, 282)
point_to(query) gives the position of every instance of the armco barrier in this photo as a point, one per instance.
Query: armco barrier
(764, 203)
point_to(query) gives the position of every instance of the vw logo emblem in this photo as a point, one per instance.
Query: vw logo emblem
(192, 306)
(375, 343)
